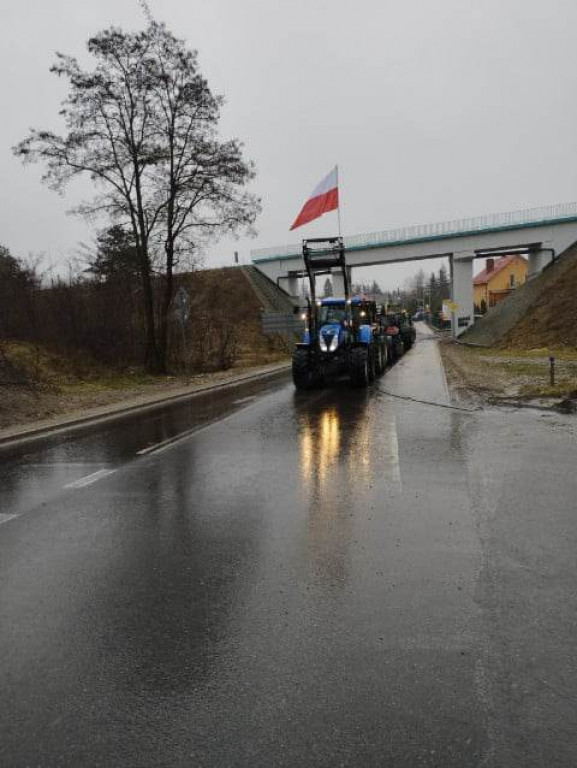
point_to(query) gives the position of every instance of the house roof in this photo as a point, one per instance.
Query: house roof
(500, 264)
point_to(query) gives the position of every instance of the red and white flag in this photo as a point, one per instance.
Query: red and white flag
(324, 198)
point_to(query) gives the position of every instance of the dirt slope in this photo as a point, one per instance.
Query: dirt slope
(541, 313)
(552, 320)
(242, 291)
(273, 298)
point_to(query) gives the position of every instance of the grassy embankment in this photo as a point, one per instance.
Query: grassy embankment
(225, 339)
(37, 384)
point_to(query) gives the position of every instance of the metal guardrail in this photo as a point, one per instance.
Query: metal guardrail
(491, 222)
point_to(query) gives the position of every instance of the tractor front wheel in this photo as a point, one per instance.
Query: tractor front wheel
(303, 374)
(360, 367)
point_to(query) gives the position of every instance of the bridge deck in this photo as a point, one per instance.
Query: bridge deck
(495, 222)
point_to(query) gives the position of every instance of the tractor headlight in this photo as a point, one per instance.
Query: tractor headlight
(323, 344)
(334, 343)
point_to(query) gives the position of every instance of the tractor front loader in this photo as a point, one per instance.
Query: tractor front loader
(342, 335)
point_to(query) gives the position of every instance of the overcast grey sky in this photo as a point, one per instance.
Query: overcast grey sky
(433, 109)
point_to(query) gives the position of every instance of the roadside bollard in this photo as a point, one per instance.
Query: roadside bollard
(552, 370)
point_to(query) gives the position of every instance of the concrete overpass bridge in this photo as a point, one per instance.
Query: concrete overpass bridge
(538, 233)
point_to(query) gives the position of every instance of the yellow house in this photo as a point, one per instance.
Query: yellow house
(498, 279)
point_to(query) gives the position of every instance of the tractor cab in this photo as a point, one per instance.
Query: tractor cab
(339, 320)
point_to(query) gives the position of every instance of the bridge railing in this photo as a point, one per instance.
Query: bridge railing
(493, 221)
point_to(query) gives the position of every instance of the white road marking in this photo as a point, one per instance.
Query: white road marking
(244, 400)
(158, 447)
(4, 518)
(89, 479)
(59, 464)
(164, 445)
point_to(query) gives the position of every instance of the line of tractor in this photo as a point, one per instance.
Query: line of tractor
(345, 335)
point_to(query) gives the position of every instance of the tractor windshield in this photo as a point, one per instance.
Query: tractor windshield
(331, 314)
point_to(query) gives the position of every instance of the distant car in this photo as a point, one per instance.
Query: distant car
(418, 316)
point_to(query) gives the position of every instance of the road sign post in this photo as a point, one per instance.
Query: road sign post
(182, 301)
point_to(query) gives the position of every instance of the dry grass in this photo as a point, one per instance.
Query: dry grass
(553, 318)
(488, 374)
(42, 384)
(224, 332)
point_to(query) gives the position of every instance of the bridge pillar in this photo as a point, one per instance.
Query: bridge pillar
(462, 291)
(290, 284)
(339, 283)
(537, 261)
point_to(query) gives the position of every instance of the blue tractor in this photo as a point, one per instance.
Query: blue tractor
(343, 335)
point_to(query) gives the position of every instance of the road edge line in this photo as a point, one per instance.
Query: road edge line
(40, 433)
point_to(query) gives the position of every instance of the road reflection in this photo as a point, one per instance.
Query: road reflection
(343, 446)
(319, 442)
(334, 462)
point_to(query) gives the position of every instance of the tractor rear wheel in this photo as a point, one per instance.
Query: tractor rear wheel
(372, 363)
(303, 374)
(386, 356)
(380, 359)
(360, 367)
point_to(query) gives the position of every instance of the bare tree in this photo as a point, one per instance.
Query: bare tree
(143, 126)
(200, 179)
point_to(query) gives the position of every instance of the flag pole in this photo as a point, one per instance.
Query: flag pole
(339, 205)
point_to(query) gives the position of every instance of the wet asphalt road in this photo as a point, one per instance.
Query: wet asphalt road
(328, 579)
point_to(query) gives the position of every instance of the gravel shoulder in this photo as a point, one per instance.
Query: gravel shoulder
(478, 376)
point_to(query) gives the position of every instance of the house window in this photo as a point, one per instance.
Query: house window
(512, 281)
